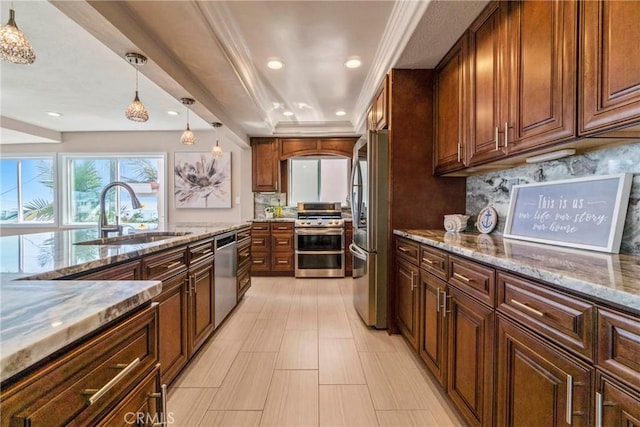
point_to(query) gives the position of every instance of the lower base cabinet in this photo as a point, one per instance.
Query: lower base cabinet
(433, 326)
(539, 385)
(172, 326)
(201, 320)
(615, 404)
(407, 302)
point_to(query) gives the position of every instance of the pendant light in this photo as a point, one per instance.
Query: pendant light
(217, 150)
(14, 46)
(136, 111)
(187, 138)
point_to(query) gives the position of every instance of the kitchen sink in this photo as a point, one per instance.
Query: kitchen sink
(135, 239)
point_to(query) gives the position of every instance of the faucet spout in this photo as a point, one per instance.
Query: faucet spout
(103, 225)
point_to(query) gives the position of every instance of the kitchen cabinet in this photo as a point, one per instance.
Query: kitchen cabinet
(407, 302)
(272, 248)
(244, 261)
(86, 382)
(201, 319)
(294, 147)
(619, 345)
(433, 326)
(380, 107)
(451, 139)
(265, 165)
(539, 384)
(609, 60)
(130, 270)
(616, 405)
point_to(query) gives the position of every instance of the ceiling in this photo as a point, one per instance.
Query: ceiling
(216, 52)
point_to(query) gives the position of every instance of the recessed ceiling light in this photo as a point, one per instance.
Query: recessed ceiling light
(173, 113)
(340, 113)
(288, 113)
(353, 63)
(54, 114)
(275, 64)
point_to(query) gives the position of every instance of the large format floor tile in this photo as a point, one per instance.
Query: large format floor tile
(292, 400)
(346, 405)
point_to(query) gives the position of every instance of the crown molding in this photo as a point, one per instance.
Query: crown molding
(404, 19)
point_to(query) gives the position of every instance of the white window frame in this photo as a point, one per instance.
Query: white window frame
(66, 177)
(56, 190)
(319, 187)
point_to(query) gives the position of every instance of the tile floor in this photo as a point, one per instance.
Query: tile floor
(295, 353)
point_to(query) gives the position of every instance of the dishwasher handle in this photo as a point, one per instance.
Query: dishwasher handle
(224, 242)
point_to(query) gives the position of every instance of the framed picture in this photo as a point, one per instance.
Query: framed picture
(202, 181)
(584, 213)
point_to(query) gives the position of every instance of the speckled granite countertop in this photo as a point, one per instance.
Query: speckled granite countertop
(283, 219)
(41, 317)
(54, 255)
(614, 279)
(38, 317)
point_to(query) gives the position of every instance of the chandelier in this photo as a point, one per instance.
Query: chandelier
(14, 46)
(136, 111)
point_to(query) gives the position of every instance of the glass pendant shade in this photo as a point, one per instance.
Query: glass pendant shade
(14, 46)
(217, 151)
(136, 111)
(188, 137)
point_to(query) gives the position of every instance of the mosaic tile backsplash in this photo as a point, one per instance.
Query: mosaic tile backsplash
(492, 189)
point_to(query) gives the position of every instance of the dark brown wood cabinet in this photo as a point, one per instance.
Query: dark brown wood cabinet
(272, 248)
(130, 270)
(609, 61)
(433, 325)
(265, 165)
(407, 278)
(380, 108)
(57, 392)
(539, 384)
(282, 247)
(616, 405)
(244, 261)
(201, 320)
(451, 115)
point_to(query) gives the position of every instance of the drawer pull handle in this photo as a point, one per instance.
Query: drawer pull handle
(403, 249)
(283, 261)
(413, 275)
(463, 278)
(526, 307)
(438, 300)
(173, 264)
(97, 394)
(163, 400)
(258, 261)
(427, 260)
(244, 254)
(569, 398)
(205, 252)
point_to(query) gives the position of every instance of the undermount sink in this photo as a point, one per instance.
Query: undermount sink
(135, 239)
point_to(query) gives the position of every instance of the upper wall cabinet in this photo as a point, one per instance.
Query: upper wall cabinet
(542, 66)
(450, 115)
(378, 113)
(265, 166)
(292, 147)
(609, 65)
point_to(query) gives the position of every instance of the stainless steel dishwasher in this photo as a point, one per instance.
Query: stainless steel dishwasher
(226, 266)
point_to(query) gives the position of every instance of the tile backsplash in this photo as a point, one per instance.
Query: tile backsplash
(492, 189)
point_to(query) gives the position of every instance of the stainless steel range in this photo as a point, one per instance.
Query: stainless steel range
(319, 240)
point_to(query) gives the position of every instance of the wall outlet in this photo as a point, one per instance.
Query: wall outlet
(237, 200)
(511, 183)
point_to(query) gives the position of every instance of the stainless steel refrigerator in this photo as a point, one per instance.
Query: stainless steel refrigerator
(369, 207)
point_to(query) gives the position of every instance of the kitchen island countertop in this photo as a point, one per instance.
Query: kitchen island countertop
(610, 278)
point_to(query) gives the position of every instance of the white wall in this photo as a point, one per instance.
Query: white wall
(158, 142)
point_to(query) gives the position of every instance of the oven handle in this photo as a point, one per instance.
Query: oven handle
(357, 252)
(319, 252)
(319, 231)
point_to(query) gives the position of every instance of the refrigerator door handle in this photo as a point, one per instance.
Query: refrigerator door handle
(357, 252)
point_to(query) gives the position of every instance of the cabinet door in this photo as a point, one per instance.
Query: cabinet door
(471, 348)
(539, 385)
(542, 49)
(265, 166)
(450, 115)
(433, 327)
(616, 405)
(172, 326)
(201, 305)
(609, 64)
(488, 73)
(407, 301)
(380, 108)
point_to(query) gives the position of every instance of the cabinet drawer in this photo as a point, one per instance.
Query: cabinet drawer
(619, 345)
(260, 261)
(260, 226)
(281, 226)
(281, 242)
(244, 233)
(434, 261)
(244, 253)
(566, 320)
(165, 264)
(259, 242)
(67, 389)
(474, 279)
(199, 251)
(127, 271)
(244, 281)
(282, 261)
(408, 250)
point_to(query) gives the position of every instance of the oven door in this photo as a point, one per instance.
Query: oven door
(319, 252)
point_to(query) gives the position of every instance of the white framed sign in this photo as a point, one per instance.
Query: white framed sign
(584, 213)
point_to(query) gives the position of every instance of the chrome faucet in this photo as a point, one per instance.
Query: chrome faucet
(103, 225)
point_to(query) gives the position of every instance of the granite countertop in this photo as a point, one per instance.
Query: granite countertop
(281, 219)
(610, 278)
(42, 316)
(39, 315)
(54, 255)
